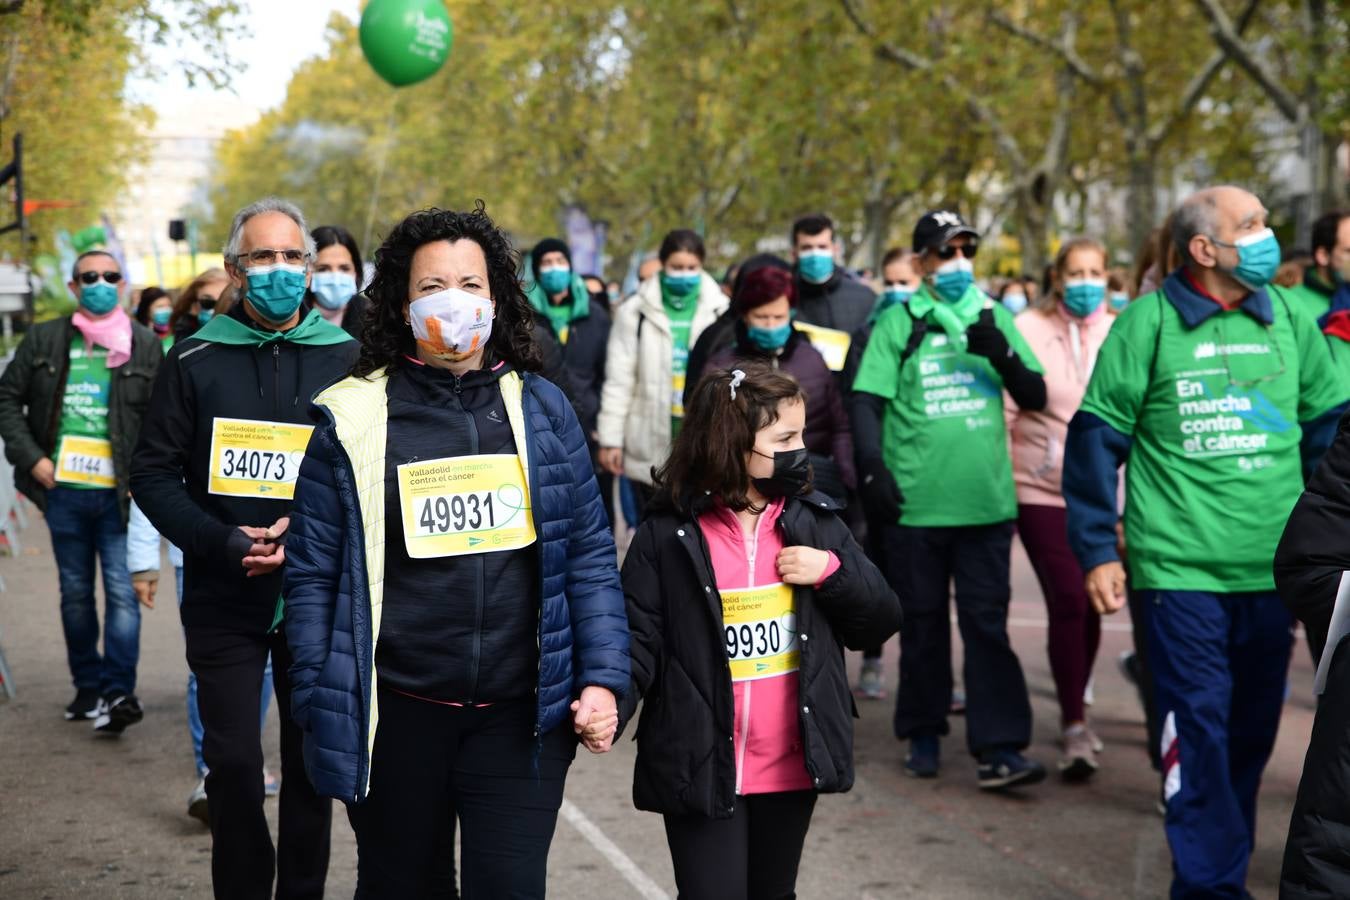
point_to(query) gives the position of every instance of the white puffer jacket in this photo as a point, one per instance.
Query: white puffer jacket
(635, 404)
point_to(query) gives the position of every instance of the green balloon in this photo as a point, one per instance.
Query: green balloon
(406, 41)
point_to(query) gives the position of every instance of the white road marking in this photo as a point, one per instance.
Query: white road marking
(646, 888)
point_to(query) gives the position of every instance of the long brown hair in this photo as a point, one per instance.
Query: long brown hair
(709, 455)
(182, 307)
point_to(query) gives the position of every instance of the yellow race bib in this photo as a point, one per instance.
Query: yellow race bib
(830, 342)
(251, 458)
(464, 504)
(85, 460)
(760, 628)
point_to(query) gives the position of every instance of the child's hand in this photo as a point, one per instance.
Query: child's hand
(802, 565)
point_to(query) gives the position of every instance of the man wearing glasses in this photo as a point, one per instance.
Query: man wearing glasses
(1219, 394)
(933, 456)
(71, 403)
(215, 473)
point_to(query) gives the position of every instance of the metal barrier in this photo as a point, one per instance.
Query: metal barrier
(12, 521)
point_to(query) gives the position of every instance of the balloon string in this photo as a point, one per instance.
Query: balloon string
(380, 165)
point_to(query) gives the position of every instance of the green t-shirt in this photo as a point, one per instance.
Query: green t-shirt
(1313, 297)
(681, 323)
(943, 433)
(1214, 413)
(166, 342)
(560, 317)
(84, 408)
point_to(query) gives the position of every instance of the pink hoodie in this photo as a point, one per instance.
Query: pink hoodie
(767, 735)
(1067, 348)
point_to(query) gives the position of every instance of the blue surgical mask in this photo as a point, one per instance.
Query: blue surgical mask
(816, 266)
(205, 316)
(1015, 303)
(893, 295)
(1082, 296)
(769, 338)
(161, 317)
(555, 280)
(333, 290)
(1119, 301)
(953, 278)
(1258, 258)
(99, 298)
(275, 291)
(680, 284)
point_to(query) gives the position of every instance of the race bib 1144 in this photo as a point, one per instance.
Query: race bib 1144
(760, 629)
(251, 458)
(85, 461)
(464, 504)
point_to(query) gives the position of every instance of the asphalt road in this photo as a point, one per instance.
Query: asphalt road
(84, 816)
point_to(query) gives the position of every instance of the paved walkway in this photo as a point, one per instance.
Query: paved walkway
(82, 816)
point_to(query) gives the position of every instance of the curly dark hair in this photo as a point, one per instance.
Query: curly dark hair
(387, 338)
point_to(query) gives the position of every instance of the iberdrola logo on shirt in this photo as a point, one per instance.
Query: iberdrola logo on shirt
(1209, 349)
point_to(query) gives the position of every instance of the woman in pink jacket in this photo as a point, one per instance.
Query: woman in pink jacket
(1065, 336)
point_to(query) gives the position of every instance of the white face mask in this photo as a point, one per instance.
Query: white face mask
(451, 324)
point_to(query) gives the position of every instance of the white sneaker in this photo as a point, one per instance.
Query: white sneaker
(197, 807)
(869, 680)
(1079, 762)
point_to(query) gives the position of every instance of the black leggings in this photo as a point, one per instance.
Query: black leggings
(751, 856)
(433, 762)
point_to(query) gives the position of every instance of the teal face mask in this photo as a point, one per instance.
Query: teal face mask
(769, 338)
(161, 317)
(1119, 301)
(1084, 295)
(275, 291)
(1258, 258)
(99, 298)
(680, 284)
(953, 278)
(555, 281)
(333, 290)
(893, 295)
(816, 267)
(205, 316)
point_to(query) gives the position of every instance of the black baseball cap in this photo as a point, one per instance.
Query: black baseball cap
(939, 226)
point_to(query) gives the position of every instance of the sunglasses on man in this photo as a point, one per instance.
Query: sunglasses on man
(91, 277)
(968, 250)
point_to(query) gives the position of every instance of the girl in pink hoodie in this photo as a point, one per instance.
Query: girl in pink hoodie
(1065, 337)
(743, 587)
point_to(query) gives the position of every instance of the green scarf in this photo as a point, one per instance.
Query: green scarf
(313, 331)
(954, 318)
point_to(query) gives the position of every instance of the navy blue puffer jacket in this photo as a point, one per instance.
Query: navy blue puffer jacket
(335, 566)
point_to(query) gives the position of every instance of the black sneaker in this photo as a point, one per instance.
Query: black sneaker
(117, 713)
(922, 761)
(1001, 769)
(84, 706)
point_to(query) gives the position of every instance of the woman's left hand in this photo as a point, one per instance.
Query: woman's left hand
(595, 716)
(802, 565)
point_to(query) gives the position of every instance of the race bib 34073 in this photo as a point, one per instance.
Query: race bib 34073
(251, 458)
(86, 461)
(760, 629)
(464, 504)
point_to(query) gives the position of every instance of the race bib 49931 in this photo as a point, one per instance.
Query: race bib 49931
(251, 458)
(464, 504)
(759, 625)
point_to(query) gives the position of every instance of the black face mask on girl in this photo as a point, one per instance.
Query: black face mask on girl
(791, 474)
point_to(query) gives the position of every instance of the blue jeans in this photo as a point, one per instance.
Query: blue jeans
(195, 728)
(87, 528)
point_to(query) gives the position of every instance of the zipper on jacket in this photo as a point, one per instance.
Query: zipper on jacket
(751, 551)
(276, 378)
(478, 561)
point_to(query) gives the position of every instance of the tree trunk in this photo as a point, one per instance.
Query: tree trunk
(1033, 229)
(1141, 196)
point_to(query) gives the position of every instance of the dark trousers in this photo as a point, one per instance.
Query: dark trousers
(751, 856)
(229, 668)
(1075, 627)
(1220, 662)
(434, 762)
(923, 563)
(1144, 674)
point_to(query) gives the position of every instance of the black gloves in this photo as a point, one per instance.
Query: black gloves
(237, 546)
(880, 494)
(988, 341)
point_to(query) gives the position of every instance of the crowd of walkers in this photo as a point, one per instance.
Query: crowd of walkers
(390, 493)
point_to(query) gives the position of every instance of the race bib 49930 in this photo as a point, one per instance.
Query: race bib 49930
(464, 504)
(251, 458)
(759, 625)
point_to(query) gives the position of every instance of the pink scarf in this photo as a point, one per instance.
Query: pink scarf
(112, 332)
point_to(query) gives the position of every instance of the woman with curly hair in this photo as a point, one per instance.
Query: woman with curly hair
(452, 593)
